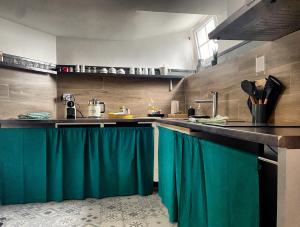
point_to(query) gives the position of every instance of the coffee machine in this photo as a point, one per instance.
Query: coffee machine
(70, 111)
(70, 107)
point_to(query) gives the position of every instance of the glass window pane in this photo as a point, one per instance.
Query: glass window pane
(212, 46)
(210, 26)
(204, 51)
(202, 36)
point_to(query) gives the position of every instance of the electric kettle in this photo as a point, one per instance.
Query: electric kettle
(96, 108)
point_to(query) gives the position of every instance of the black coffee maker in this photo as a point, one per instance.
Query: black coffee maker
(70, 110)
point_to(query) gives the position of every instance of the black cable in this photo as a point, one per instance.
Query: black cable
(77, 109)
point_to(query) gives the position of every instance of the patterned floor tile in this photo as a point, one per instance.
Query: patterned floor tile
(127, 211)
(135, 223)
(161, 222)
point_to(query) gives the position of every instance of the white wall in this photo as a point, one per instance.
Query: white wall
(23, 41)
(232, 6)
(172, 50)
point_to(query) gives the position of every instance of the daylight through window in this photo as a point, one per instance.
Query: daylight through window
(206, 47)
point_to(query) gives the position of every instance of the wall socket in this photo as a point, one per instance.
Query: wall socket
(67, 97)
(260, 64)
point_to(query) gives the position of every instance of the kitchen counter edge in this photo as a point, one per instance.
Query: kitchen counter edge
(284, 137)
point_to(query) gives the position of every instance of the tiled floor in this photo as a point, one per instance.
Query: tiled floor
(131, 211)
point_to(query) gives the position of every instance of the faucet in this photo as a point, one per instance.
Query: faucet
(214, 102)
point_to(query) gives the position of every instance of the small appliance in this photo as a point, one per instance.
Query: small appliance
(96, 108)
(70, 107)
(70, 111)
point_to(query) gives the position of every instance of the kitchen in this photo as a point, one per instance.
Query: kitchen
(137, 113)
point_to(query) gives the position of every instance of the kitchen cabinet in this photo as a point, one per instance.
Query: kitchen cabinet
(53, 164)
(203, 183)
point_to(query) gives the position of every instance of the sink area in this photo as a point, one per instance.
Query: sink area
(240, 123)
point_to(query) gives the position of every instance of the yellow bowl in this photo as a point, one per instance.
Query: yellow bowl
(120, 116)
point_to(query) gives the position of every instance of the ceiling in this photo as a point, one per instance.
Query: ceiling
(109, 19)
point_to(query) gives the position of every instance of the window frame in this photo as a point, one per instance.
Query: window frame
(201, 26)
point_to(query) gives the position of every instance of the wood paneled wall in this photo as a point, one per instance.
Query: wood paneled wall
(22, 92)
(282, 60)
(135, 94)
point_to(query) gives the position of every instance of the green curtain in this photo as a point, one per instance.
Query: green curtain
(39, 165)
(190, 181)
(167, 188)
(22, 163)
(214, 185)
(232, 186)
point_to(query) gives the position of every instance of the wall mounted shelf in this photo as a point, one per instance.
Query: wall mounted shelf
(109, 75)
(26, 64)
(173, 74)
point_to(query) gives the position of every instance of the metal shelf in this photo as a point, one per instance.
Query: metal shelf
(24, 68)
(123, 76)
(25, 64)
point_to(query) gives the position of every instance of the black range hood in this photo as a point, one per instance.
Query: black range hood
(260, 20)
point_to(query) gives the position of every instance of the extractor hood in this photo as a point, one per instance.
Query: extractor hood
(260, 20)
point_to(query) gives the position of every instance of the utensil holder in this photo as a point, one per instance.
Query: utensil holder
(259, 113)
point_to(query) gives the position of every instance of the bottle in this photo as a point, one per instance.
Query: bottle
(191, 111)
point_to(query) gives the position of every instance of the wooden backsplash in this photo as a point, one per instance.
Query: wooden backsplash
(22, 92)
(282, 61)
(135, 94)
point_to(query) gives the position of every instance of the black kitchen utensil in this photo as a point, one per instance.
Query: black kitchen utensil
(272, 91)
(275, 87)
(250, 89)
(268, 90)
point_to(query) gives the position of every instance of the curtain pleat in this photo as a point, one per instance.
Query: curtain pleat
(190, 180)
(39, 165)
(167, 187)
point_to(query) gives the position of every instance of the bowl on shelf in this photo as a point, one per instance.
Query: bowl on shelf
(103, 70)
(112, 70)
(121, 71)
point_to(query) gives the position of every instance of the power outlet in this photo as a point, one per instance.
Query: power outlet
(67, 97)
(260, 64)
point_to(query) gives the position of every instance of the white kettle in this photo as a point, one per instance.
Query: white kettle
(96, 108)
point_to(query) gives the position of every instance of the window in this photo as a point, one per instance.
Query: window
(206, 47)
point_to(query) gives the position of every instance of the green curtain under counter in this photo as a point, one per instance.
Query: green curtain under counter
(232, 186)
(39, 165)
(22, 166)
(215, 185)
(167, 188)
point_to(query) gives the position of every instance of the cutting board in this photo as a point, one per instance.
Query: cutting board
(180, 116)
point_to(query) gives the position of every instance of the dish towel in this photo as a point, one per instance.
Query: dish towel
(35, 116)
(218, 119)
